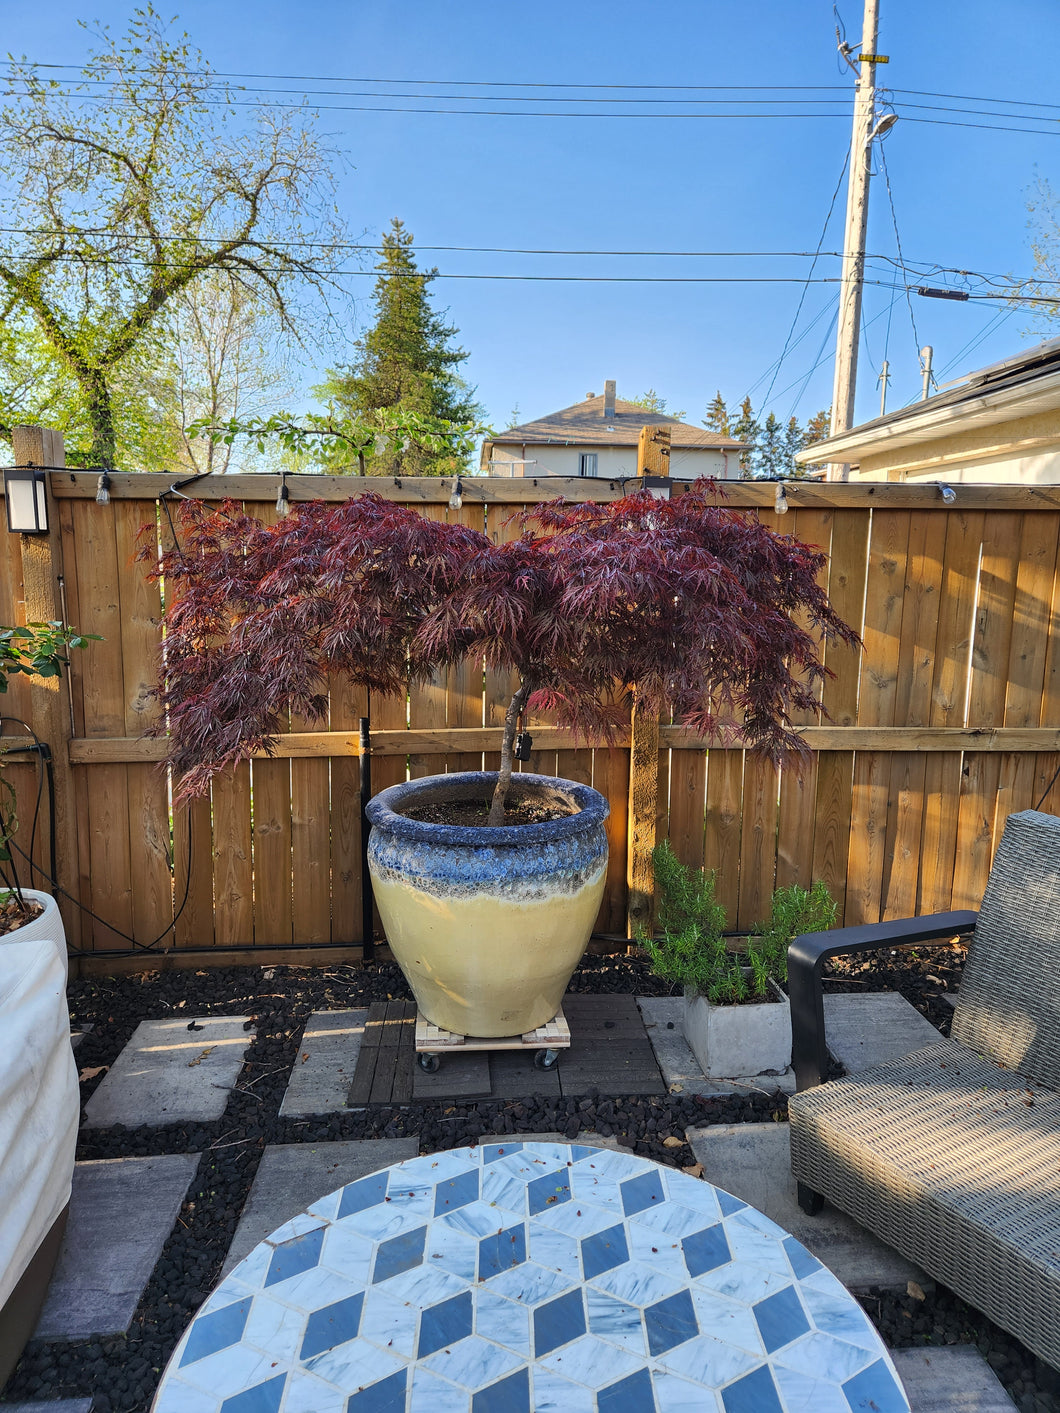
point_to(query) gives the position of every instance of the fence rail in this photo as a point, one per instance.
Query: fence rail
(942, 724)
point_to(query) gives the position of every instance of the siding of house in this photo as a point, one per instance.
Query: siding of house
(1023, 450)
(612, 462)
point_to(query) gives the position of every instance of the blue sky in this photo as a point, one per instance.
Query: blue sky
(640, 183)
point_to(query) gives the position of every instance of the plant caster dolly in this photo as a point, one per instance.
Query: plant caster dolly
(429, 1063)
(545, 1059)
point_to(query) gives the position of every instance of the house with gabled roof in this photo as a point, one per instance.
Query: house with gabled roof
(599, 437)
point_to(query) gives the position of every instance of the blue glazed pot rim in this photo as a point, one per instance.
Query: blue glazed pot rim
(384, 810)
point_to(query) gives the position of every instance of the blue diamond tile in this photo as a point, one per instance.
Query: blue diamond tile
(333, 1325)
(670, 1323)
(705, 1250)
(558, 1323)
(604, 1251)
(444, 1324)
(728, 1203)
(499, 1150)
(501, 1252)
(216, 1331)
(456, 1192)
(802, 1263)
(366, 1193)
(548, 1190)
(630, 1395)
(781, 1318)
(387, 1396)
(510, 1395)
(399, 1254)
(299, 1254)
(875, 1388)
(264, 1398)
(640, 1192)
(754, 1393)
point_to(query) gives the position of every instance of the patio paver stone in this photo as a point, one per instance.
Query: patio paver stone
(121, 1212)
(323, 1069)
(290, 1176)
(752, 1161)
(870, 1030)
(169, 1073)
(954, 1379)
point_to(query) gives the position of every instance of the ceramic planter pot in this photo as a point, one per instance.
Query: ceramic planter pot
(488, 924)
(733, 1041)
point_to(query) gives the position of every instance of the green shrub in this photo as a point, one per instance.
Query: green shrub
(692, 952)
(794, 911)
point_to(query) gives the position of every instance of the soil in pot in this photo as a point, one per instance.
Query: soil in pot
(475, 813)
(13, 917)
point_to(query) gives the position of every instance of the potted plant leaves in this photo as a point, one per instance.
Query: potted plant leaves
(31, 650)
(737, 1020)
(693, 609)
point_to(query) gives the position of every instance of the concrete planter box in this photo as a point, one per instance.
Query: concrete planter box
(732, 1041)
(488, 924)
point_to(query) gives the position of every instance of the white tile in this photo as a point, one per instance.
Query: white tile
(354, 1365)
(478, 1219)
(638, 1283)
(502, 1321)
(833, 1311)
(745, 1282)
(275, 1329)
(554, 1394)
(347, 1254)
(708, 1361)
(675, 1395)
(591, 1361)
(229, 1371)
(431, 1394)
(555, 1250)
(307, 1394)
(815, 1353)
(297, 1226)
(802, 1393)
(424, 1286)
(452, 1251)
(473, 1362)
(615, 1321)
(180, 1397)
(389, 1322)
(728, 1320)
(530, 1283)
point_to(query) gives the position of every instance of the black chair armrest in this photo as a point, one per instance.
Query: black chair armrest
(808, 953)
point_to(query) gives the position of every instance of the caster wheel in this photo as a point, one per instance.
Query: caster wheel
(429, 1063)
(545, 1059)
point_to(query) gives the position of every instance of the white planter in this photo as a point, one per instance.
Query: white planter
(734, 1041)
(47, 927)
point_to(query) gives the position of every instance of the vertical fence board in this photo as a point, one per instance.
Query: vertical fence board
(232, 873)
(348, 704)
(110, 838)
(141, 607)
(724, 826)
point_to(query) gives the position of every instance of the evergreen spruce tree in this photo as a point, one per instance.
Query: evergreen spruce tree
(817, 428)
(747, 429)
(794, 441)
(769, 461)
(404, 361)
(717, 418)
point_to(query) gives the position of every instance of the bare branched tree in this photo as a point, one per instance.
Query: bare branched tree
(131, 184)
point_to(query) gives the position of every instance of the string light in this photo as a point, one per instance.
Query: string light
(103, 489)
(456, 500)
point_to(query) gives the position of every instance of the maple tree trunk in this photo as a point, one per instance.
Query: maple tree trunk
(504, 775)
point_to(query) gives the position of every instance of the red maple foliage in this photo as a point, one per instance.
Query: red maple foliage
(701, 611)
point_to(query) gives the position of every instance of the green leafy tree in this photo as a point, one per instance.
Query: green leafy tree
(125, 188)
(794, 441)
(717, 418)
(652, 402)
(769, 460)
(405, 363)
(747, 430)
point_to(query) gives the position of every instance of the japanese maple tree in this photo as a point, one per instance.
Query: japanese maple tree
(698, 610)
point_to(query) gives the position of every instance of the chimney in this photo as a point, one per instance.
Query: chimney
(609, 400)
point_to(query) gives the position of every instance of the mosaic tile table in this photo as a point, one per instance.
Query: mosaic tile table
(516, 1277)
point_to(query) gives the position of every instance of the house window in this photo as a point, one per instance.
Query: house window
(587, 463)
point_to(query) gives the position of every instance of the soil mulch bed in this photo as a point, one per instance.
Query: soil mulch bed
(474, 814)
(122, 1373)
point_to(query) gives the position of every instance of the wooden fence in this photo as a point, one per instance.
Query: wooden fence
(945, 722)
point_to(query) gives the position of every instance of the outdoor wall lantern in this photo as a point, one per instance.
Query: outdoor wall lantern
(27, 505)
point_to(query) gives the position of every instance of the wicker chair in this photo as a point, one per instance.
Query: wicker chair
(952, 1154)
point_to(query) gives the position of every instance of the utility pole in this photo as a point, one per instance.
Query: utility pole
(853, 274)
(883, 380)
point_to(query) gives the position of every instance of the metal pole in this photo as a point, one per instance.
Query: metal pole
(926, 355)
(367, 901)
(853, 273)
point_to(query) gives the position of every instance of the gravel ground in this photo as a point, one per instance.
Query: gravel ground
(122, 1373)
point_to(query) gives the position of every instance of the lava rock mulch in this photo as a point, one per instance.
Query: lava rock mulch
(121, 1373)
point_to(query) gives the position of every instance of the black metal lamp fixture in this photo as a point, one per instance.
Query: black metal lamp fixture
(27, 505)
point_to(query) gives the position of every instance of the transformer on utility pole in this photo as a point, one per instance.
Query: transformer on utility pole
(853, 273)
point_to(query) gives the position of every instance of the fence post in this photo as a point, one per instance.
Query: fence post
(653, 451)
(42, 567)
(643, 802)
